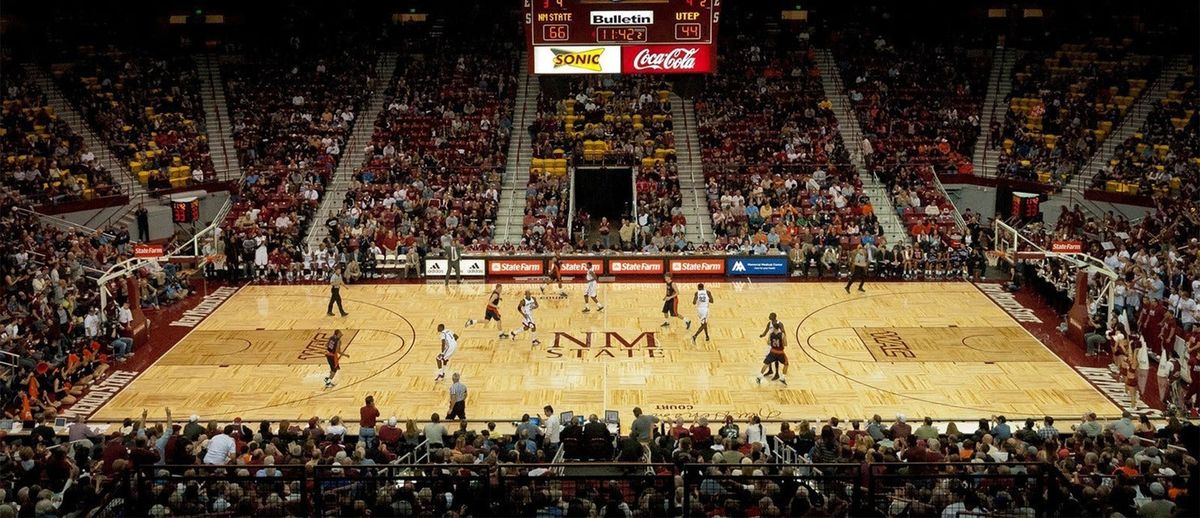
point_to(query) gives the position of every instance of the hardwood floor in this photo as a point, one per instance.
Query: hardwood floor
(937, 349)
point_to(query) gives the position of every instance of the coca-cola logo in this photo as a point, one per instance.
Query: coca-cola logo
(675, 59)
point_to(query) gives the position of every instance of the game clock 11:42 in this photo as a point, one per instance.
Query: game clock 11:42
(620, 34)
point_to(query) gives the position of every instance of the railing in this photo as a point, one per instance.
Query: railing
(488, 489)
(62, 223)
(958, 219)
(9, 360)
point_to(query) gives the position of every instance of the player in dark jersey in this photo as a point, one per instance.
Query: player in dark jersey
(671, 304)
(492, 312)
(776, 342)
(334, 351)
(554, 274)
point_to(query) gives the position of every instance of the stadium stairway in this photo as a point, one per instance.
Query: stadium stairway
(217, 124)
(691, 174)
(510, 214)
(1131, 123)
(852, 136)
(354, 154)
(995, 106)
(75, 120)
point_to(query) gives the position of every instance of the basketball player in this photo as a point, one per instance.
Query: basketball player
(777, 341)
(671, 304)
(449, 345)
(492, 312)
(334, 351)
(589, 293)
(526, 307)
(701, 300)
(554, 274)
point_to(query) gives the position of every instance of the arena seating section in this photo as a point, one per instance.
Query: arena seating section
(776, 169)
(292, 116)
(147, 109)
(1161, 160)
(41, 157)
(919, 108)
(434, 164)
(1065, 103)
(611, 121)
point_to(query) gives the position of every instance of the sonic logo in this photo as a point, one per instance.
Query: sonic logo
(587, 59)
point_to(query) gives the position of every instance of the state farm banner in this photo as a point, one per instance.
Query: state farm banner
(666, 59)
(579, 266)
(635, 266)
(515, 267)
(697, 266)
(148, 250)
(1067, 246)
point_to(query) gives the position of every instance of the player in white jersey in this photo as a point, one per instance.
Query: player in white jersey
(449, 345)
(307, 258)
(589, 293)
(525, 307)
(701, 300)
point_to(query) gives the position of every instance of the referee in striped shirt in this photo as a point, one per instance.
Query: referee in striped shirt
(458, 399)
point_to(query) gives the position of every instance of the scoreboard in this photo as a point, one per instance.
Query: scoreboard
(622, 36)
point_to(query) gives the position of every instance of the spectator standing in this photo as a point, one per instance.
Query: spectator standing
(143, 223)
(435, 432)
(221, 448)
(79, 430)
(1001, 431)
(453, 258)
(193, 429)
(367, 417)
(643, 426)
(1048, 431)
(335, 292)
(458, 398)
(553, 428)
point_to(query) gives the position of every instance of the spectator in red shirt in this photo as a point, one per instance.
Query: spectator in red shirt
(368, 414)
(701, 434)
(390, 434)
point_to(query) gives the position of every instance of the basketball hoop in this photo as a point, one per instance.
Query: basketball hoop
(993, 257)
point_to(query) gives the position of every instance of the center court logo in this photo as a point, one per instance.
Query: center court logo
(586, 60)
(607, 345)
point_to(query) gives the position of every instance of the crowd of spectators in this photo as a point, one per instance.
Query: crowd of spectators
(834, 468)
(51, 326)
(1156, 302)
(40, 156)
(1064, 104)
(434, 166)
(622, 121)
(292, 114)
(777, 172)
(147, 109)
(1160, 160)
(919, 109)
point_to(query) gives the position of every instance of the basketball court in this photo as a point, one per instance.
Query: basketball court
(939, 349)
